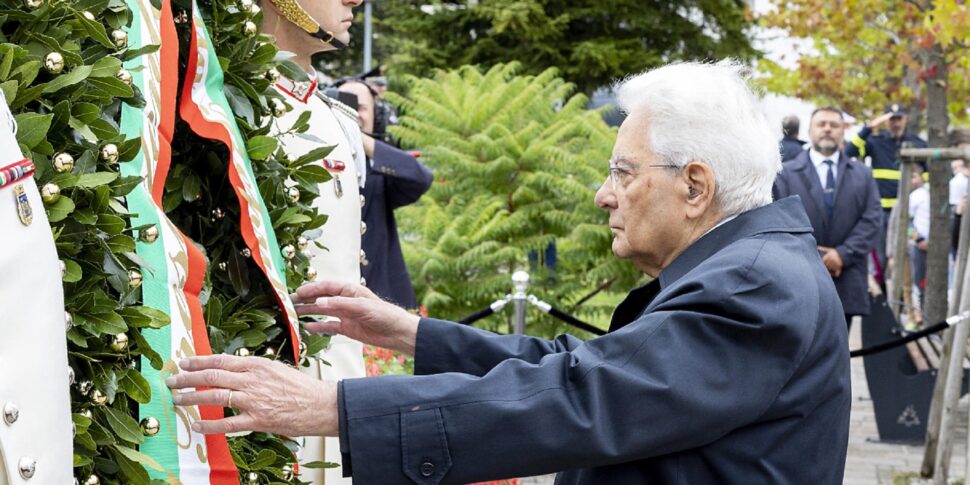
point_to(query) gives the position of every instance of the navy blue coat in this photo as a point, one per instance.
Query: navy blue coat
(394, 179)
(855, 223)
(790, 148)
(731, 367)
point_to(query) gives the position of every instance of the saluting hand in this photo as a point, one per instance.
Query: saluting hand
(362, 315)
(880, 120)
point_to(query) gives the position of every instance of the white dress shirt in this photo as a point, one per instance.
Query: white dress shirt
(820, 168)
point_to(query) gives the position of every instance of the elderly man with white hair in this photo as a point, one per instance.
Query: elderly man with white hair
(728, 367)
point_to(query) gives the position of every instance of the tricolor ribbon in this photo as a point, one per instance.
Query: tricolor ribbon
(205, 108)
(16, 171)
(175, 267)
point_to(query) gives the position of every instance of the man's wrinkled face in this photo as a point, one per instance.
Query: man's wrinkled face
(335, 16)
(644, 208)
(897, 126)
(826, 131)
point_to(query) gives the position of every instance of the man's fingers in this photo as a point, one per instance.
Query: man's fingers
(206, 378)
(218, 361)
(337, 306)
(308, 293)
(232, 424)
(211, 397)
(326, 328)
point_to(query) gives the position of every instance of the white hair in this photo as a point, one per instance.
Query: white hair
(709, 113)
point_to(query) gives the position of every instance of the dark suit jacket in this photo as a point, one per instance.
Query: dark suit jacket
(855, 224)
(394, 179)
(730, 367)
(790, 148)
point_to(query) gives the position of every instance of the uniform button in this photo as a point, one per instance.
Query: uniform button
(427, 469)
(363, 258)
(27, 468)
(363, 228)
(363, 281)
(10, 413)
(362, 200)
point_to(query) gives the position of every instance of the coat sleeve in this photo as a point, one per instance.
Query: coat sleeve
(859, 146)
(860, 239)
(406, 179)
(665, 383)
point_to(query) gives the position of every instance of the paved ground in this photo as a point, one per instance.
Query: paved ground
(870, 462)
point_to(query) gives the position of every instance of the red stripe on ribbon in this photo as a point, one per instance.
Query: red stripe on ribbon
(222, 468)
(215, 131)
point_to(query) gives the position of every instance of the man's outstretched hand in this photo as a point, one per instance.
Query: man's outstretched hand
(362, 315)
(269, 396)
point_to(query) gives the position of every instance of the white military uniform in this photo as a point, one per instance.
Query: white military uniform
(331, 124)
(36, 446)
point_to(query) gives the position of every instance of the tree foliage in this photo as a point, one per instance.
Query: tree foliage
(592, 43)
(517, 161)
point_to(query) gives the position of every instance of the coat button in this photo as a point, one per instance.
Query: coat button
(363, 228)
(427, 469)
(363, 281)
(362, 200)
(363, 258)
(27, 468)
(10, 413)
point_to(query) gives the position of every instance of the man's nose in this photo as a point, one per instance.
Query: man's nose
(605, 198)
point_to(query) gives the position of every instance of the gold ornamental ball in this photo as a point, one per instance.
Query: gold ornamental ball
(135, 278)
(311, 274)
(287, 472)
(250, 29)
(120, 38)
(222, 266)
(68, 321)
(86, 413)
(93, 480)
(150, 426)
(255, 10)
(84, 387)
(276, 107)
(124, 76)
(63, 162)
(32, 4)
(88, 15)
(98, 397)
(269, 352)
(273, 75)
(109, 153)
(252, 477)
(245, 4)
(54, 62)
(149, 234)
(119, 342)
(242, 352)
(289, 252)
(246, 253)
(294, 194)
(50, 193)
(302, 243)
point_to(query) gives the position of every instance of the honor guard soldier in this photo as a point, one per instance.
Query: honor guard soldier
(883, 149)
(35, 426)
(305, 29)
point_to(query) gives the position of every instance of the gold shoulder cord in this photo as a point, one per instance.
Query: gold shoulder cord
(295, 13)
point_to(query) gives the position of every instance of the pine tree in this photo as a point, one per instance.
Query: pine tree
(517, 161)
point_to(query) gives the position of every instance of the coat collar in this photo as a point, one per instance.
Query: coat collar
(786, 215)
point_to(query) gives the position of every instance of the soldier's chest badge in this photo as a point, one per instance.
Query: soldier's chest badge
(336, 167)
(24, 210)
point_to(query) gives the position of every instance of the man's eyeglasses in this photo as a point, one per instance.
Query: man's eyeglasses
(620, 171)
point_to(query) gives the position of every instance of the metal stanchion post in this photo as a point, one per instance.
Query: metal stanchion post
(520, 281)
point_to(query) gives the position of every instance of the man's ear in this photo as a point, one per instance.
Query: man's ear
(699, 188)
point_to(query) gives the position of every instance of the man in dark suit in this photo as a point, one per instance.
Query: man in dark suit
(842, 201)
(790, 145)
(730, 366)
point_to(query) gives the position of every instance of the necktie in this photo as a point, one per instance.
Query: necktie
(828, 194)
